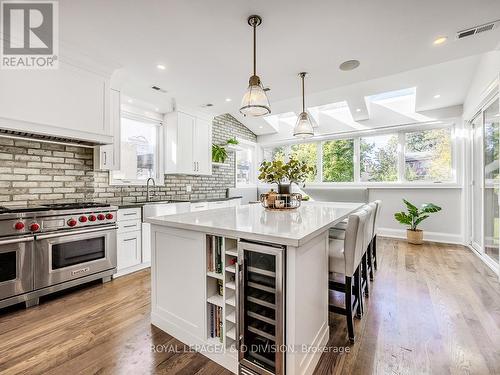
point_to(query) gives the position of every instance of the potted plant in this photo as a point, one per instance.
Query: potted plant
(219, 154)
(413, 218)
(284, 174)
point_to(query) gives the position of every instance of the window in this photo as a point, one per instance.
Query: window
(338, 160)
(379, 158)
(404, 156)
(139, 151)
(308, 153)
(276, 153)
(245, 164)
(428, 155)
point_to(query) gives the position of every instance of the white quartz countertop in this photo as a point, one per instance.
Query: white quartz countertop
(254, 222)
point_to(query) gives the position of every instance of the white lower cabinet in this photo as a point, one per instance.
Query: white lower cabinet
(131, 252)
(129, 249)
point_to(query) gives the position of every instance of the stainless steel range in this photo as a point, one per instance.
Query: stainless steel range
(47, 248)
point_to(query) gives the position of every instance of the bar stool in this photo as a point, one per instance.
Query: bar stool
(345, 258)
(365, 283)
(372, 248)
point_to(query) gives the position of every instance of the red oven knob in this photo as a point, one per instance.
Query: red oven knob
(19, 225)
(83, 219)
(92, 218)
(109, 216)
(34, 227)
(101, 217)
(72, 222)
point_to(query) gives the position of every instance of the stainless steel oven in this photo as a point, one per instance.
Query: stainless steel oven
(16, 266)
(65, 256)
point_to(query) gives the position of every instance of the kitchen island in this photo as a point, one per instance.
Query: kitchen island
(245, 277)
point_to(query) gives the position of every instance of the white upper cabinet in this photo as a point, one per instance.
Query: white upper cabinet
(188, 144)
(107, 157)
(68, 102)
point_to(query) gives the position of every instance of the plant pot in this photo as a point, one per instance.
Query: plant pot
(284, 188)
(415, 237)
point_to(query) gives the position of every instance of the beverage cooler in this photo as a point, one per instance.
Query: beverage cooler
(261, 311)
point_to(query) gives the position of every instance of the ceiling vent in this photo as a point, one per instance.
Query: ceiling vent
(478, 29)
(157, 88)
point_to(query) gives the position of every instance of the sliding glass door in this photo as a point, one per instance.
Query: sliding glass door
(486, 182)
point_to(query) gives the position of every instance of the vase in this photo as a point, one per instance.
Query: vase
(284, 188)
(415, 237)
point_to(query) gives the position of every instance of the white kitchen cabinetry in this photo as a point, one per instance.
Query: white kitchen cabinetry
(69, 102)
(107, 157)
(130, 256)
(188, 144)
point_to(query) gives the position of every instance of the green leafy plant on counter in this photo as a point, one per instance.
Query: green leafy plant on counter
(284, 174)
(415, 215)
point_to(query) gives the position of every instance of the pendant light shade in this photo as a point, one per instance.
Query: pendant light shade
(303, 127)
(255, 102)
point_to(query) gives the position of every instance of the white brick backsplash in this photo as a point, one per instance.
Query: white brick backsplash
(46, 172)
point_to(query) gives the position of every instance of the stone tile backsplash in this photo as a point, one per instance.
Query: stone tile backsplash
(33, 172)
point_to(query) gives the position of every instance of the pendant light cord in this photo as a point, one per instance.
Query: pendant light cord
(254, 49)
(303, 94)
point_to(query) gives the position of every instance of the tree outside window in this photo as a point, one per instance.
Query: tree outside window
(379, 158)
(338, 160)
(308, 153)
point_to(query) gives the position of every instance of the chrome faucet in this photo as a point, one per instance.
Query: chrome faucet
(147, 187)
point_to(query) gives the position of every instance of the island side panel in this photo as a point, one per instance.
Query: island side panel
(178, 299)
(307, 303)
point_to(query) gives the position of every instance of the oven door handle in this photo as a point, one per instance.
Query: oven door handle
(16, 240)
(74, 232)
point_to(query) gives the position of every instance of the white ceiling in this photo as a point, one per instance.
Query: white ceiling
(206, 45)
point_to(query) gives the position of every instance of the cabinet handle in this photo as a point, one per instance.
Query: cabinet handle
(130, 226)
(129, 239)
(130, 213)
(104, 153)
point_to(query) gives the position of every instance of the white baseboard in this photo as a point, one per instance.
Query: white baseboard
(428, 236)
(126, 271)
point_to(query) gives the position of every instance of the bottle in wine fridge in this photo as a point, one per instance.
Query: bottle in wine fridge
(261, 308)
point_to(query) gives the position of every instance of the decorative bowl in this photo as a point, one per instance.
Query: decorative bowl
(274, 201)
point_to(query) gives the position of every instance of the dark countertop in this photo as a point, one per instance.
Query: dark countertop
(140, 204)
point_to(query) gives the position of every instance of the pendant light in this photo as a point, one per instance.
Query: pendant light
(303, 128)
(255, 102)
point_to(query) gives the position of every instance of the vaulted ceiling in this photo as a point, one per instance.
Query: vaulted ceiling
(206, 46)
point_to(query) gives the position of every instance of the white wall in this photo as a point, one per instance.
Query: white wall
(487, 72)
(445, 226)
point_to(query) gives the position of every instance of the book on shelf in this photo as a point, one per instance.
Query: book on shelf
(215, 322)
(215, 262)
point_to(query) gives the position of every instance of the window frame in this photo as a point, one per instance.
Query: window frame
(243, 143)
(159, 178)
(400, 131)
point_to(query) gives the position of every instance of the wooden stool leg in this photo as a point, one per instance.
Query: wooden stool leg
(360, 309)
(370, 260)
(364, 275)
(348, 307)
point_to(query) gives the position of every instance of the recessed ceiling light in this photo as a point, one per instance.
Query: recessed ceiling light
(130, 101)
(157, 109)
(349, 65)
(161, 66)
(358, 110)
(260, 127)
(437, 96)
(228, 99)
(440, 40)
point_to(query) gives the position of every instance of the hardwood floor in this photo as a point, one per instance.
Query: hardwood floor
(433, 309)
